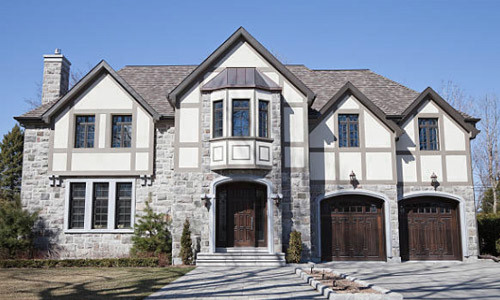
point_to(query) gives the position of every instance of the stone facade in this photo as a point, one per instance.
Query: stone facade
(56, 70)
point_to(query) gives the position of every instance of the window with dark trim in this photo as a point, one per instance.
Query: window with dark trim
(428, 133)
(218, 116)
(263, 118)
(84, 131)
(121, 132)
(100, 205)
(241, 117)
(348, 130)
(77, 205)
(123, 205)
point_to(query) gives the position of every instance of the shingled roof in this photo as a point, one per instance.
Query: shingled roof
(154, 83)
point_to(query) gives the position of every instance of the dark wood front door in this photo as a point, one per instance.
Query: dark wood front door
(429, 229)
(352, 228)
(241, 215)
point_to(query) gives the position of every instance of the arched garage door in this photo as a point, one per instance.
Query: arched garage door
(352, 228)
(429, 229)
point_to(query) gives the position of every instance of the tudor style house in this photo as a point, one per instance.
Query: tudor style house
(249, 149)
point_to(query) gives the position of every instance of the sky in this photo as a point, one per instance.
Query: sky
(418, 43)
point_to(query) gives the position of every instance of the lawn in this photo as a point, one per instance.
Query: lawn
(85, 283)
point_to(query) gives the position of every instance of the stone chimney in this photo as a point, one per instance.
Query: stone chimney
(55, 76)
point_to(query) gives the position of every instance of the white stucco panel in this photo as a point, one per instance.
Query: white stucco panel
(349, 161)
(378, 166)
(294, 124)
(290, 94)
(100, 161)
(431, 164)
(407, 168)
(103, 126)
(350, 102)
(59, 162)
(294, 157)
(61, 130)
(454, 137)
(429, 108)
(188, 124)
(376, 134)
(144, 124)
(243, 55)
(456, 168)
(323, 135)
(322, 165)
(407, 139)
(188, 157)
(105, 93)
(141, 161)
(192, 96)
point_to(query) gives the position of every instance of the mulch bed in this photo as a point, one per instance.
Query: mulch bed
(339, 284)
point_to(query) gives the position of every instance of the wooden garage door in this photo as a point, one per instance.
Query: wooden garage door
(429, 229)
(352, 228)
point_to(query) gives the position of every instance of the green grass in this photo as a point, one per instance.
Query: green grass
(85, 283)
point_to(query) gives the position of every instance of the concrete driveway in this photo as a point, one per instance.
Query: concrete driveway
(430, 280)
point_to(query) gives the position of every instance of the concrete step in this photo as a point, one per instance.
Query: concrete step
(241, 250)
(241, 258)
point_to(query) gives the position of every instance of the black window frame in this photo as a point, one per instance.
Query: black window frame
(240, 109)
(123, 207)
(348, 138)
(86, 124)
(77, 210)
(263, 124)
(428, 134)
(100, 206)
(217, 119)
(122, 125)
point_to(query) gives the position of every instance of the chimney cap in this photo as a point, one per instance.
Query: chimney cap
(57, 51)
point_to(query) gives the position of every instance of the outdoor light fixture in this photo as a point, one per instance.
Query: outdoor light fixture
(205, 199)
(147, 180)
(434, 181)
(353, 180)
(277, 199)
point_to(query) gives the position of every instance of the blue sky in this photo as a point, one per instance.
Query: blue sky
(418, 43)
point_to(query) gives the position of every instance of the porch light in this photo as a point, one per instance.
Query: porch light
(277, 199)
(434, 181)
(205, 199)
(352, 177)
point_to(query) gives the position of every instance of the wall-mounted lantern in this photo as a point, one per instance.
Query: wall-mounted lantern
(277, 199)
(434, 181)
(147, 180)
(353, 180)
(55, 180)
(205, 200)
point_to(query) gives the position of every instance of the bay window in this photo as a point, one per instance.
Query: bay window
(241, 117)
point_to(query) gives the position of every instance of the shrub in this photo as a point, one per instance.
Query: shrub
(100, 263)
(489, 233)
(186, 245)
(151, 235)
(294, 251)
(16, 229)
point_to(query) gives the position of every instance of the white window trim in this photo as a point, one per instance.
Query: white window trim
(89, 186)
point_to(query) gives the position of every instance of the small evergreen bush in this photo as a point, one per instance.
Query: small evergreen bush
(100, 263)
(294, 251)
(152, 237)
(488, 226)
(186, 244)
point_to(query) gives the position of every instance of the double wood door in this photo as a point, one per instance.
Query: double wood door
(241, 215)
(352, 228)
(429, 229)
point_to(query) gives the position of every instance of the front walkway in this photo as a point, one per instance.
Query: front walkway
(429, 280)
(238, 283)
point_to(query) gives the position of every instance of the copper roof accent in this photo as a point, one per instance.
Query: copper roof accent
(240, 78)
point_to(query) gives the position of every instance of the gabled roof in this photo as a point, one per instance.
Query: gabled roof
(350, 89)
(430, 94)
(50, 109)
(240, 78)
(239, 35)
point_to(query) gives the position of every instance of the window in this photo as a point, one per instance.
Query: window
(348, 130)
(100, 205)
(123, 204)
(217, 118)
(77, 205)
(263, 118)
(122, 132)
(241, 119)
(97, 205)
(428, 133)
(85, 127)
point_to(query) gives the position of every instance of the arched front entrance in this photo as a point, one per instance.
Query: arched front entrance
(352, 228)
(429, 228)
(241, 215)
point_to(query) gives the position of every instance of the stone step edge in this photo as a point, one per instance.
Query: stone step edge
(330, 294)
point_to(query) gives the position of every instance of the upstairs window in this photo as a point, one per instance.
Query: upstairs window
(348, 130)
(77, 205)
(122, 132)
(84, 135)
(217, 118)
(263, 118)
(241, 118)
(428, 133)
